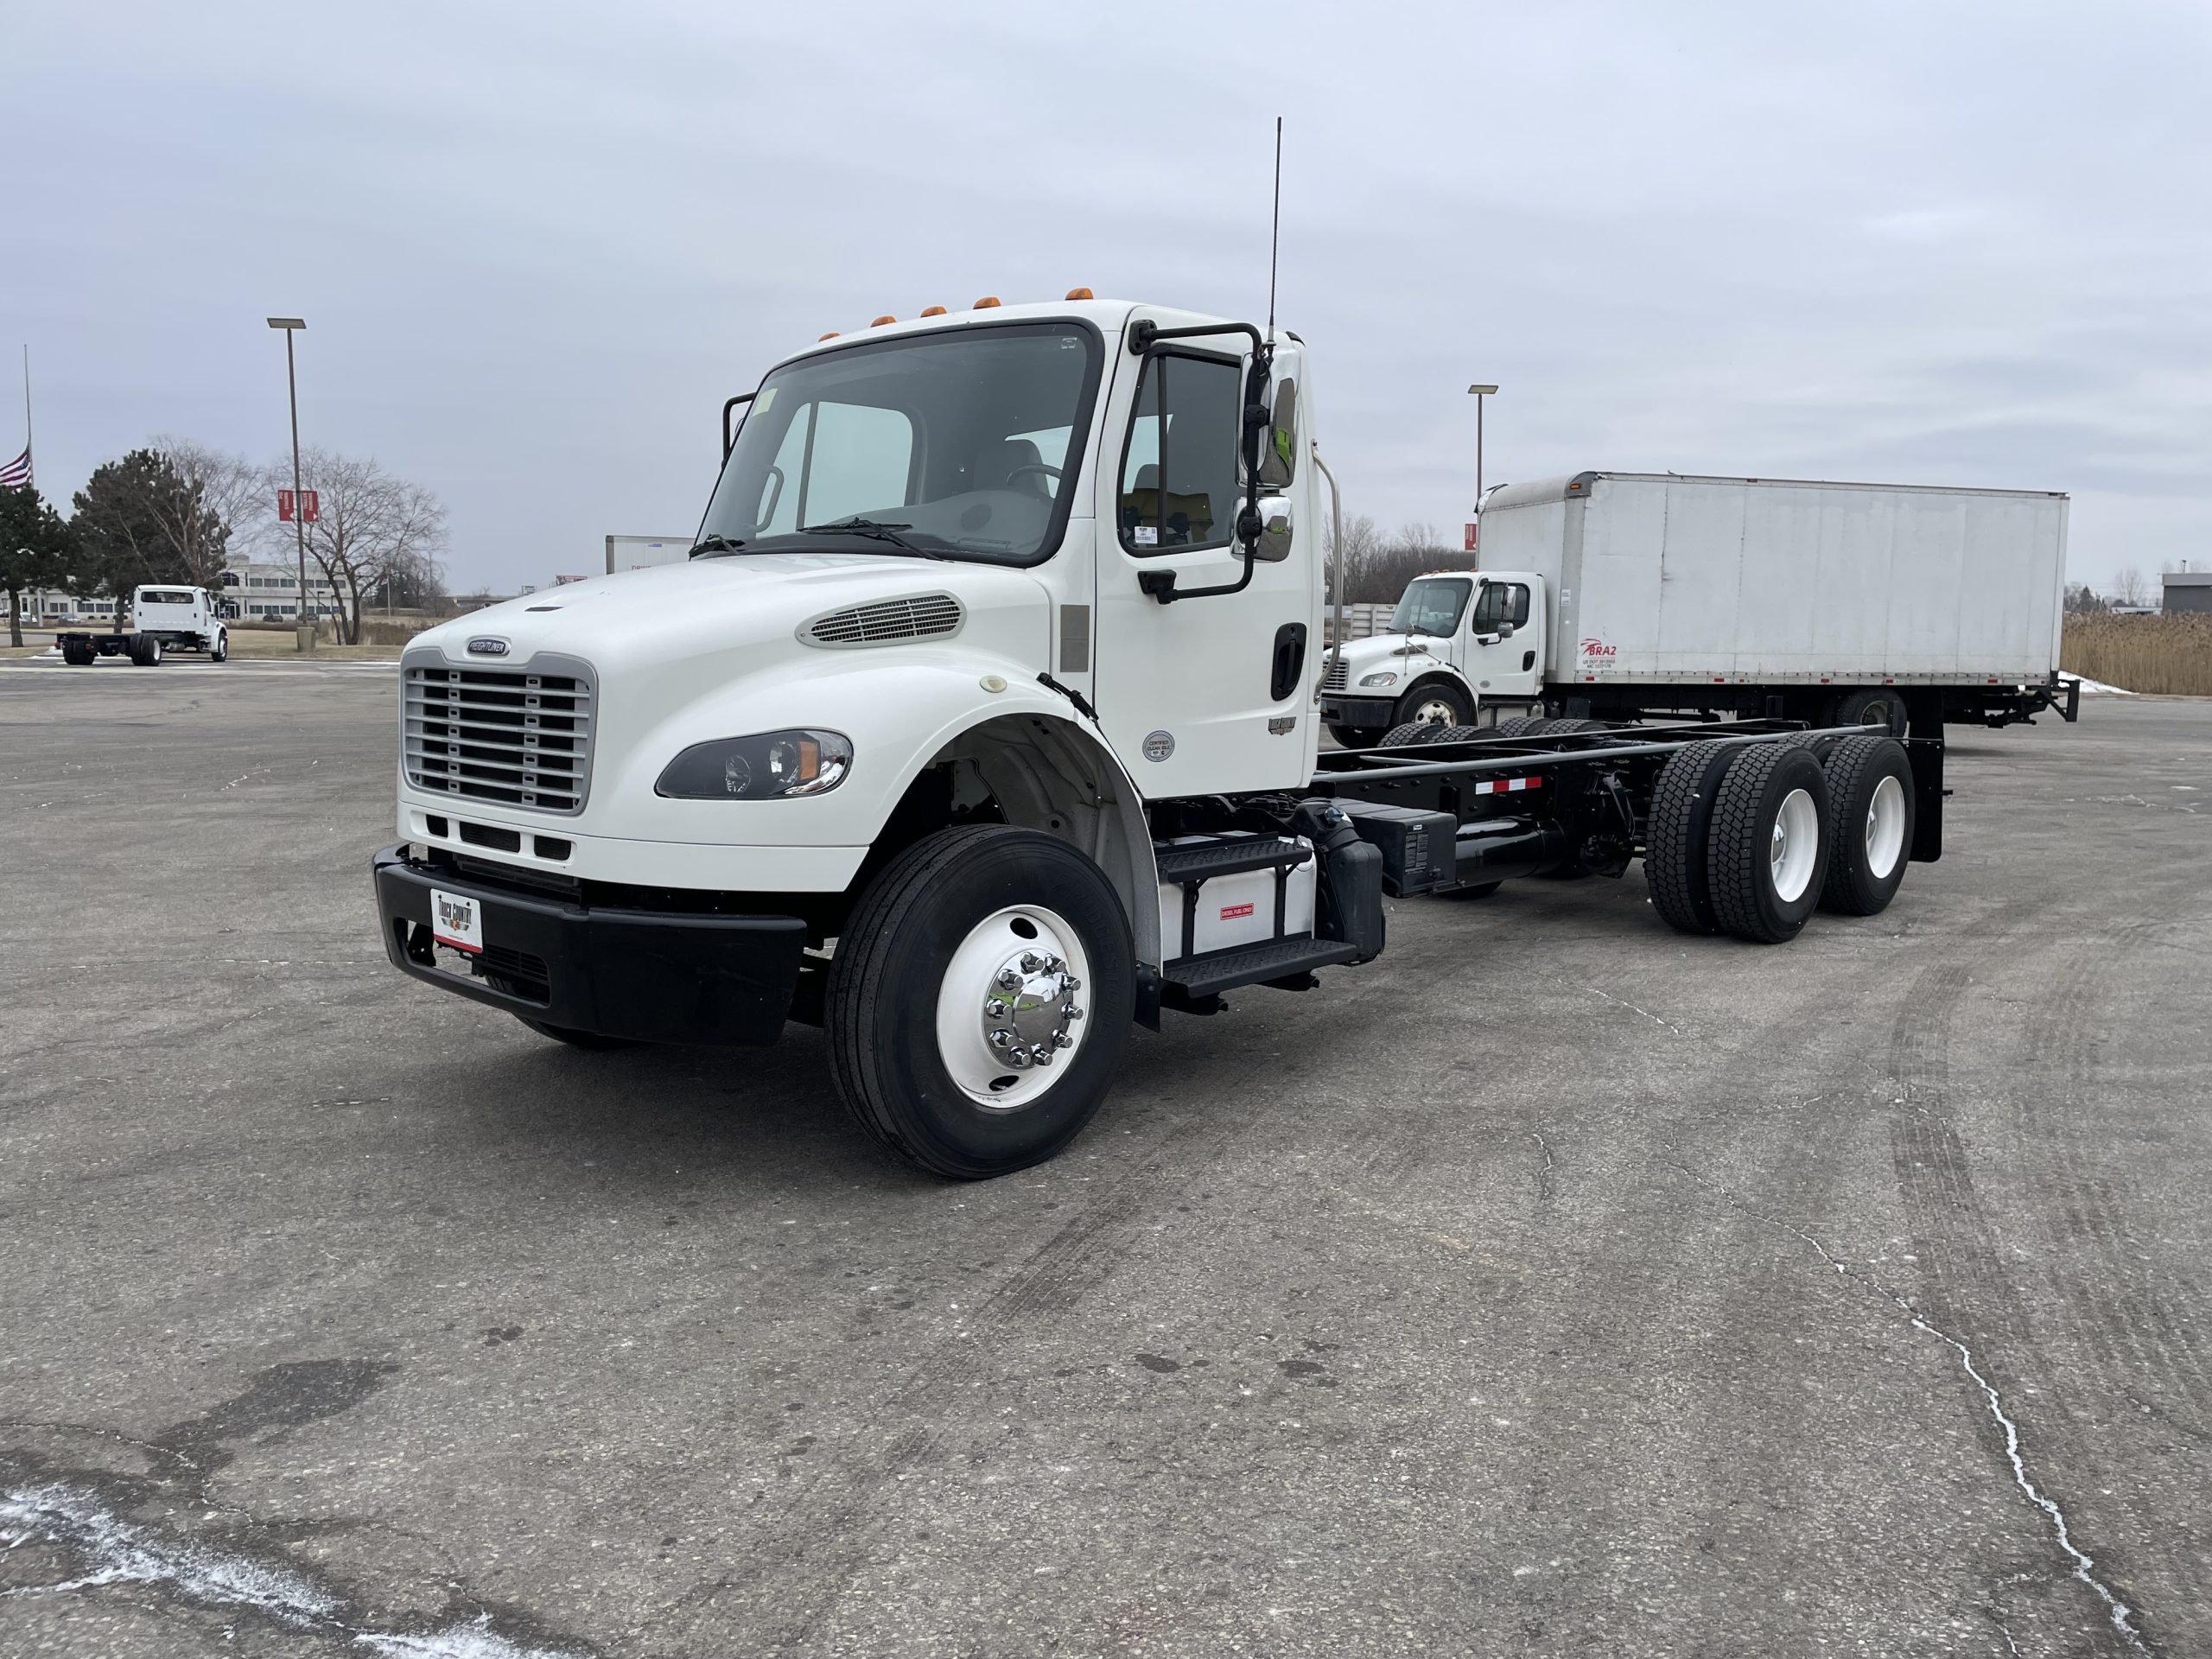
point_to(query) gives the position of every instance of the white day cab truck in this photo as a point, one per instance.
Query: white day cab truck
(162, 620)
(983, 723)
(1630, 596)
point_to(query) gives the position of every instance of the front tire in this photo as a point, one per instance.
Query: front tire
(980, 1000)
(1438, 703)
(221, 651)
(1355, 737)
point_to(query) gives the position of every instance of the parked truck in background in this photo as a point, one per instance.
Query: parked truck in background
(1633, 595)
(984, 722)
(642, 552)
(163, 619)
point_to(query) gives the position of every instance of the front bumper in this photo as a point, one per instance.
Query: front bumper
(1338, 709)
(646, 975)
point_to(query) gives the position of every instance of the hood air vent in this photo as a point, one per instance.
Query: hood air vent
(886, 622)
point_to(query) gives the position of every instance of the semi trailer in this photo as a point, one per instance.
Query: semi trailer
(983, 725)
(1627, 595)
(162, 620)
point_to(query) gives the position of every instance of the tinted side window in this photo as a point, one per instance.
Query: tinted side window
(1502, 601)
(1179, 475)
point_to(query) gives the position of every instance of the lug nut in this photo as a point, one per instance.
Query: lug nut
(1030, 962)
(1061, 1039)
(1001, 1040)
(1072, 1014)
(1017, 1059)
(994, 1008)
(1071, 983)
(1041, 1054)
(1008, 980)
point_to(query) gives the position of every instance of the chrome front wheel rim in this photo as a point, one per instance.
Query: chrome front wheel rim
(1011, 1009)
(1434, 711)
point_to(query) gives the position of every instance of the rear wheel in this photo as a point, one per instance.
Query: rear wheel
(1766, 849)
(980, 999)
(1437, 704)
(1411, 732)
(1876, 706)
(1519, 725)
(1674, 836)
(146, 650)
(1870, 824)
(77, 655)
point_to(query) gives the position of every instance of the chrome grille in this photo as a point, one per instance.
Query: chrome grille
(517, 736)
(1333, 680)
(886, 620)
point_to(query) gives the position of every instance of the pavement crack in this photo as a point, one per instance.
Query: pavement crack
(2082, 1566)
(1618, 1002)
(1544, 1170)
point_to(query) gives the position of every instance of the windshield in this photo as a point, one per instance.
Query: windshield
(1432, 605)
(962, 445)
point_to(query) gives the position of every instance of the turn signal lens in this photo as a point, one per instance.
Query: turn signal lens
(773, 766)
(1081, 294)
(932, 310)
(988, 303)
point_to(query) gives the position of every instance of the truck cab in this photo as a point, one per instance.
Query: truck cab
(1459, 641)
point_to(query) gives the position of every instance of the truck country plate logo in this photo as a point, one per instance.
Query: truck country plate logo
(484, 644)
(455, 919)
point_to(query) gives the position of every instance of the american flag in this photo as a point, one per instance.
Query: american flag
(17, 472)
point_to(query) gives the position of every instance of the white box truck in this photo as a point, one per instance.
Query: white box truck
(642, 552)
(984, 723)
(163, 619)
(1625, 595)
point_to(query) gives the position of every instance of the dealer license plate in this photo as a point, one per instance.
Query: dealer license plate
(457, 921)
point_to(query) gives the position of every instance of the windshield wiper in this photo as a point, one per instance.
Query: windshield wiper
(715, 544)
(873, 528)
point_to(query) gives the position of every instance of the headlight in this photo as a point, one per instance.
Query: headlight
(1380, 679)
(770, 766)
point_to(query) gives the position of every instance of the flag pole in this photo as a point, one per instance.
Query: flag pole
(30, 461)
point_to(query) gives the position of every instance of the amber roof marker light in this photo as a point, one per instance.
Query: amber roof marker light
(1081, 294)
(988, 303)
(932, 310)
(880, 321)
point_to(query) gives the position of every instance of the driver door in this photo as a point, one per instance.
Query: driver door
(1211, 694)
(1504, 635)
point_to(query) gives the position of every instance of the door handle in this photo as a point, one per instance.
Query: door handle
(1289, 661)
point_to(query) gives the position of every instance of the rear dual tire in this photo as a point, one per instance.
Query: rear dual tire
(1737, 840)
(1870, 821)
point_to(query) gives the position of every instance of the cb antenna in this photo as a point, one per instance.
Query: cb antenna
(1274, 234)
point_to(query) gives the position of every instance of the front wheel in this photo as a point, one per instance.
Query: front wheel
(1355, 737)
(1438, 703)
(221, 651)
(979, 1000)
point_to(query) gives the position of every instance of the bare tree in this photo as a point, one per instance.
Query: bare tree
(370, 529)
(2128, 587)
(227, 489)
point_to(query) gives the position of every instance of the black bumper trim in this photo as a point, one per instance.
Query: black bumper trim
(1338, 710)
(644, 976)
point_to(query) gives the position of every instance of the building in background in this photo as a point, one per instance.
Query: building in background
(2188, 590)
(271, 593)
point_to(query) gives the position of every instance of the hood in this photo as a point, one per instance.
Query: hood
(1385, 653)
(653, 618)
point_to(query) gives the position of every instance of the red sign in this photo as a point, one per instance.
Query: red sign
(1471, 537)
(285, 507)
(311, 507)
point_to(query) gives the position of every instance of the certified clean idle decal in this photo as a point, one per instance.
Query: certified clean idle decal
(1158, 746)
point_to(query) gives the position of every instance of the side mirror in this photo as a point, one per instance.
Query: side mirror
(1275, 538)
(1505, 630)
(1279, 454)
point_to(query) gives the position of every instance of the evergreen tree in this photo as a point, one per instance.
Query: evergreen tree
(36, 551)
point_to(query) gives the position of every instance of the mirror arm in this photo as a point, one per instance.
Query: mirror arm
(729, 438)
(1145, 334)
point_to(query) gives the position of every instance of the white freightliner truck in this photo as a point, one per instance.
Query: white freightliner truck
(1625, 595)
(163, 619)
(984, 722)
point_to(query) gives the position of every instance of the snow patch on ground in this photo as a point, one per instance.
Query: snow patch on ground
(2095, 688)
(117, 1551)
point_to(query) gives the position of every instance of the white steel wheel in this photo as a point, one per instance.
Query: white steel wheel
(1435, 711)
(1885, 827)
(1010, 1014)
(1794, 847)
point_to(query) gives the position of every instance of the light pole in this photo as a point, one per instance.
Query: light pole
(303, 639)
(1478, 393)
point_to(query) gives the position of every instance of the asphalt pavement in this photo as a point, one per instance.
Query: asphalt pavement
(1556, 1285)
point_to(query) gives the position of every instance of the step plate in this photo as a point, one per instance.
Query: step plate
(1251, 965)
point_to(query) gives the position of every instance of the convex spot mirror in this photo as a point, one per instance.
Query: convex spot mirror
(1279, 453)
(1273, 544)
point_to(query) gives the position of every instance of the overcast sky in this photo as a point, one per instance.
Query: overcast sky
(537, 244)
